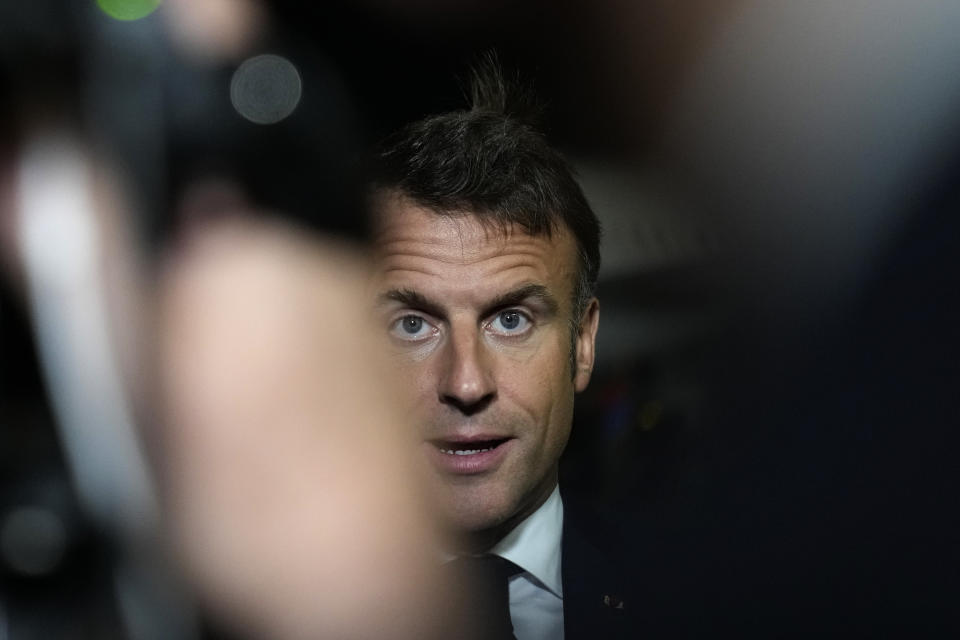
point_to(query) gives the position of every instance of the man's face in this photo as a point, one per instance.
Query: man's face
(479, 324)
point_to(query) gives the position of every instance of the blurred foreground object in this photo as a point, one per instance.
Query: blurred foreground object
(816, 127)
(83, 290)
(287, 467)
(278, 467)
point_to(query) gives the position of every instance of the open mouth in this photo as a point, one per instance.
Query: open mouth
(467, 448)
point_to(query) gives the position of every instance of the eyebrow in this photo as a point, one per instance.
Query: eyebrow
(524, 293)
(412, 299)
(527, 292)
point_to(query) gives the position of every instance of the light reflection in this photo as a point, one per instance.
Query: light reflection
(32, 540)
(265, 89)
(128, 10)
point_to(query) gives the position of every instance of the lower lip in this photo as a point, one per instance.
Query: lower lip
(469, 464)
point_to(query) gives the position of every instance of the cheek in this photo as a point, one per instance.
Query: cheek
(542, 389)
(547, 367)
(560, 390)
(411, 379)
(563, 417)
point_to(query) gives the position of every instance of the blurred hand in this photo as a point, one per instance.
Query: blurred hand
(287, 469)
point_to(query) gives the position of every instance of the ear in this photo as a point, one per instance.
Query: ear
(586, 345)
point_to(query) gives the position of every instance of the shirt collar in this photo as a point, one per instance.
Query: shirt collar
(534, 544)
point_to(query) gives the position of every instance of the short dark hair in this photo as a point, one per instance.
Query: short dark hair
(492, 162)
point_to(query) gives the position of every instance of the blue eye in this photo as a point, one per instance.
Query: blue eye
(510, 322)
(411, 328)
(411, 324)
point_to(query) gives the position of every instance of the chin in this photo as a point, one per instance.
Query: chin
(474, 521)
(472, 515)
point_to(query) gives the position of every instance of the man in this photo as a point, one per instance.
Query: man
(487, 260)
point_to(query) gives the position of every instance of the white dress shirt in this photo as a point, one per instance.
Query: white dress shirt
(536, 594)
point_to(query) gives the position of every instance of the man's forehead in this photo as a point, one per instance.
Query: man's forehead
(459, 260)
(402, 224)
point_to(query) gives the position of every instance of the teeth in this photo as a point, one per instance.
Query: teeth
(464, 452)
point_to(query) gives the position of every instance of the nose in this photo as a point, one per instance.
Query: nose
(466, 381)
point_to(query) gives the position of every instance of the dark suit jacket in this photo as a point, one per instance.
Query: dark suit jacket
(596, 599)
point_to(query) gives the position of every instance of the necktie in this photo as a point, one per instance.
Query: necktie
(485, 603)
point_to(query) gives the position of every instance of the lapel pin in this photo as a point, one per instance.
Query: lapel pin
(613, 602)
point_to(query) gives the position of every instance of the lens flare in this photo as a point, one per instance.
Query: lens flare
(128, 10)
(265, 89)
